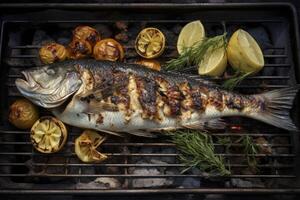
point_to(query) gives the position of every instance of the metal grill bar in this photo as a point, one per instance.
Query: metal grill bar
(279, 164)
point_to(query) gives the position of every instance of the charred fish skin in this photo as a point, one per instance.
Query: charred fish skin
(122, 97)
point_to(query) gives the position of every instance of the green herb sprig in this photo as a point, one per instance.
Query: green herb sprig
(195, 54)
(234, 81)
(198, 151)
(250, 149)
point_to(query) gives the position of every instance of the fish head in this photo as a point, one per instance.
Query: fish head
(49, 86)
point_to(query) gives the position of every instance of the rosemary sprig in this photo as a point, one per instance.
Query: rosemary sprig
(195, 54)
(250, 149)
(198, 151)
(234, 81)
(225, 141)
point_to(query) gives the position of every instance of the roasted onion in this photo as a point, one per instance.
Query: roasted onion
(52, 52)
(79, 49)
(23, 114)
(86, 33)
(108, 49)
(151, 64)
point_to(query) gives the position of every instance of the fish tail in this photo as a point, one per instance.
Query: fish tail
(275, 107)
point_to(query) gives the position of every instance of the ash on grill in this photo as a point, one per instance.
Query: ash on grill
(140, 162)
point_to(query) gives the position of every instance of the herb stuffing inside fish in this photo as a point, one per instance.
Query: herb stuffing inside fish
(117, 97)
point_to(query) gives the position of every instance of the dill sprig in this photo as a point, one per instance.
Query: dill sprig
(198, 151)
(234, 81)
(195, 54)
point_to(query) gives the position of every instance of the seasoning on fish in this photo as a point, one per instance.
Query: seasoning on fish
(115, 97)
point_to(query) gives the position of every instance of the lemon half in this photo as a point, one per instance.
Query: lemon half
(214, 62)
(190, 34)
(243, 52)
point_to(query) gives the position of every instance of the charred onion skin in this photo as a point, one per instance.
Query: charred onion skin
(108, 49)
(150, 63)
(48, 132)
(23, 114)
(87, 34)
(79, 49)
(52, 52)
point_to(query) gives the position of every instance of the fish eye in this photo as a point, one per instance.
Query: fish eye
(50, 71)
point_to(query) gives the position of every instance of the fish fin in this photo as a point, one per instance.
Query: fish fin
(200, 79)
(277, 108)
(112, 132)
(97, 107)
(142, 133)
(216, 124)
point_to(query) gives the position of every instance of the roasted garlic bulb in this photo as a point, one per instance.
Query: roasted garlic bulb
(86, 146)
(48, 135)
(108, 49)
(86, 33)
(150, 63)
(52, 52)
(23, 114)
(150, 43)
(79, 49)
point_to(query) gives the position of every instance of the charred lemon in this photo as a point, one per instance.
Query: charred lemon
(108, 49)
(48, 135)
(86, 146)
(150, 43)
(23, 114)
(53, 52)
(149, 63)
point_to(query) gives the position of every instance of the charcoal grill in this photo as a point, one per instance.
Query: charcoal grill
(25, 171)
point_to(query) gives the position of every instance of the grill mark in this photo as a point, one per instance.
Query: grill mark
(215, 99)
(233, 101)
(147, 88)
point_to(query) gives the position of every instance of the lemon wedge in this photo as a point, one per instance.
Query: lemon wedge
(244, 54)
(190, 34)
(214, 62)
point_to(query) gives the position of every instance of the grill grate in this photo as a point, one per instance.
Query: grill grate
(21, 167)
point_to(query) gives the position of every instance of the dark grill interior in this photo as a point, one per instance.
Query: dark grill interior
(141, 164)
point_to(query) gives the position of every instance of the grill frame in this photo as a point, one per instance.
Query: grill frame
(296, 51)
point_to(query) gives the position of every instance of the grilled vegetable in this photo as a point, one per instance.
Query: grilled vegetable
(87, 34)
(118, 97)
(79, 49)
(53, 52)
(150, 63)
(150, 43)
(108, 49)
(23, 114)
(86, 147)
(48, 135)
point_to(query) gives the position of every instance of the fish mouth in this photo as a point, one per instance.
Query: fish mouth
(28, 84)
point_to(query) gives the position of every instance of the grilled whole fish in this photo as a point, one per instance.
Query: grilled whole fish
(118, 97)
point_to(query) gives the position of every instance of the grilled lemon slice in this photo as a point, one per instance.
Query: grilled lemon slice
(48, 135)
(150, 43)
(86, 146)
(190, 34)
(243, 52)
